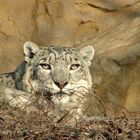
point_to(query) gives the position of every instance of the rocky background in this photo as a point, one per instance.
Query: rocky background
(111, 26)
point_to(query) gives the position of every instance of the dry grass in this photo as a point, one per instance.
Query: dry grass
(15, 124)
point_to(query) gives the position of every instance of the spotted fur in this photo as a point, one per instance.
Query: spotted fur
(59, 73)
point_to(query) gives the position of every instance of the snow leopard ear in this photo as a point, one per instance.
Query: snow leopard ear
(87, 53)
(30, 49)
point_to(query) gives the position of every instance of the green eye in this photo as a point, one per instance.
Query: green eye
(74, 66)
(45, 66)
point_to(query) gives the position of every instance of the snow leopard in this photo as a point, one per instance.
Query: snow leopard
(58, 73)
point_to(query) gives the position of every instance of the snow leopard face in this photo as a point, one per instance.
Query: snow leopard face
(60, 73)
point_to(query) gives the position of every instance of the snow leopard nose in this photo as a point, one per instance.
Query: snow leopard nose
(61, 85)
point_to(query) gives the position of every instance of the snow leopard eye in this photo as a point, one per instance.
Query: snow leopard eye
(45, 66)
(74, 66)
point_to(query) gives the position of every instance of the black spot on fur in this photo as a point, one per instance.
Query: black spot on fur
(18, 75)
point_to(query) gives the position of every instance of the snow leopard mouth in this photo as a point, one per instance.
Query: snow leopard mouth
(53, 97)
(59, 95)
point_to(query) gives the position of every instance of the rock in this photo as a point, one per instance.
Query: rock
(111, 26)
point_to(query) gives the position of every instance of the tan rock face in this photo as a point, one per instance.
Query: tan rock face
(16, 26)
(61, 22)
